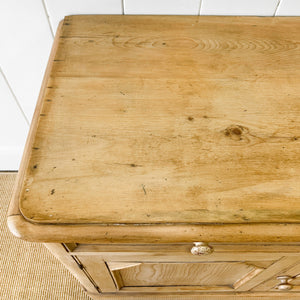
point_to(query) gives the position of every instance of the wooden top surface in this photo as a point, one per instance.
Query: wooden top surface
(168, 119)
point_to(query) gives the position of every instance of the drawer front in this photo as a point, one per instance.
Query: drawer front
(180, 268)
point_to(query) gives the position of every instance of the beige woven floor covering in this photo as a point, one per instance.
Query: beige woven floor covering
(28, 270)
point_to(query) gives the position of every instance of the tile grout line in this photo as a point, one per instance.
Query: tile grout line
(123, 7)
(48, 17)
(14, 96)
(200, 5)
(276, 8)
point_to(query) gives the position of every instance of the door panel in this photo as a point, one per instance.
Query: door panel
(177, 274)
(270, 272)
(272, 284)
(145, 270)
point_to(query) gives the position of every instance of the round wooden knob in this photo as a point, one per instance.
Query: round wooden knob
(284, 283)
(201, 248)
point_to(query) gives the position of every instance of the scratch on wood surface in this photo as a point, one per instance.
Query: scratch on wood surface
(143, 187)
(133, 165)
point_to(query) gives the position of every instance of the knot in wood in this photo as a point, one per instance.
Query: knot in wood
(235, 132)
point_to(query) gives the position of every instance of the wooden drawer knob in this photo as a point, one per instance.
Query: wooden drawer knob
(201, 248)
(284, 283)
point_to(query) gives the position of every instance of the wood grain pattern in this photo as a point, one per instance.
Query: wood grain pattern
(186, 274)
(196, 296)
(100, 274)
(168, 249)
(294, 271)
(197, 125)
(230, 233)
(14, 204)
(158, 257)
(227, 272)
(135, 270)
(188, 135)
(59, 252)
(272, 271)
(234, 43)
(130, 254)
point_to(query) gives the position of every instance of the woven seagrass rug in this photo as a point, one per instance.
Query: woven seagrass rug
(28, 270)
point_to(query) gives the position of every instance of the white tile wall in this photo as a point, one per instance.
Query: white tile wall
(239, 7)
(57, 9)
(162, 7)
(26, 39)
(25, 46)
(288, 8)
(13, 129)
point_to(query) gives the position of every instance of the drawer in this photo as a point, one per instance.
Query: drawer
(185, 267)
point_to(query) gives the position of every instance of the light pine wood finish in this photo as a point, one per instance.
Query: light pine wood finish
(21, 228)
(172, 269)
(294, 272)
(99, 272)
(187, 274)
(180, 252)
(193, 127)
(153, 268)
(148, 270)
(59, 251)
(218, 296)
(272, 271)
(155, 132)
(199, 124)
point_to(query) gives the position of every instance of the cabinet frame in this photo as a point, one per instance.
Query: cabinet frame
(99, 281)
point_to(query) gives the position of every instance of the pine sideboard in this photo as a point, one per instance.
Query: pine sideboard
(162, 160)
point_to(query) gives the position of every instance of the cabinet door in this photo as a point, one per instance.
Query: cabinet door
(172, 268)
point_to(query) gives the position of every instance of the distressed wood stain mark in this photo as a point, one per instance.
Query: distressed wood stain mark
(144, 189)
(52, 191)
(133, 165)
(171, 138)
